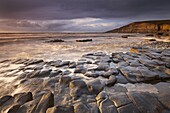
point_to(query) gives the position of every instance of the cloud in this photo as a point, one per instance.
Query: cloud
(18, 25)
(71, 9)
(78, 15)
(72, 25)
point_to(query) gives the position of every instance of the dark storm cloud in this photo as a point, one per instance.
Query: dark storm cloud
(78, 15)
(70, 9)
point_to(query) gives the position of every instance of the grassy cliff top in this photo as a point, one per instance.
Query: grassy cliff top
(154, 22)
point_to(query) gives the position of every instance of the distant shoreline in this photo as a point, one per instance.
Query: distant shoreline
(4, 36)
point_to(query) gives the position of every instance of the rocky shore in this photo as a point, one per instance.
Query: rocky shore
(131, 82)
(152, 43)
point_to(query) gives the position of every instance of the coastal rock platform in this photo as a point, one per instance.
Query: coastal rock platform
(137, 81)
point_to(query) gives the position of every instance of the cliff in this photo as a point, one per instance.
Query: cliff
(144, 27)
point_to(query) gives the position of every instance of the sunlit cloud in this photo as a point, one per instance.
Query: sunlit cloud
(78, 15)
(71, 25)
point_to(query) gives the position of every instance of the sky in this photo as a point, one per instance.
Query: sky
(77, 15)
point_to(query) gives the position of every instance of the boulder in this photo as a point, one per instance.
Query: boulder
(51, 82)
(105, 105)
(65, 80)
(129, 108)
(117, 88)
(45, 73)
(121, 79)
(84, 40)
(111, 81)
(34, 74)
(14, 108)
(31, 62)
(116, 60)
(81, 108)
(6, 105)
(42, 73)
(102, 67)
(80, 70)
(110, 72)
(101, 96)
(72, 65)
(148, 63)
(91, 74)
(63, 63)
(99, 54)
(45, 102)
(124, 36)
(66, 72)
(149, 75)
(95, 86)
(35, 81)
(163, 93)
(78, 88)
(29, 107)
(93, 107)
(60, 109)
(146, 102)
(4, 99)
(55, 40)
(129, 74)
(119, 99)
(13, 103)
(152, 40)
(55, 73)
(22, 98)
(55, 63)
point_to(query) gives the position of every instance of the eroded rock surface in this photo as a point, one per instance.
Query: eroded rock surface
(132, 82)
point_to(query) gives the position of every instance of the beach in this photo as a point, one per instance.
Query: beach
(88, 73)
(34, 46)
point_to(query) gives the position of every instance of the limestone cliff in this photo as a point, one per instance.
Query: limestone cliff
(144, 27)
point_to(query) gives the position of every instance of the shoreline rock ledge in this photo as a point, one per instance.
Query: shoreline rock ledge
(137, 81)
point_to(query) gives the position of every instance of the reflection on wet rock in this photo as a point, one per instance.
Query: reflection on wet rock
(132, 82)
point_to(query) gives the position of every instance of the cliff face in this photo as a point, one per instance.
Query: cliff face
(144, 27)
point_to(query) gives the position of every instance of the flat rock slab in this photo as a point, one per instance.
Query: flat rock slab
(146, 102)
(164, 93)
(120, 99)
(132, 82)
(129, 108)
(60, 109)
